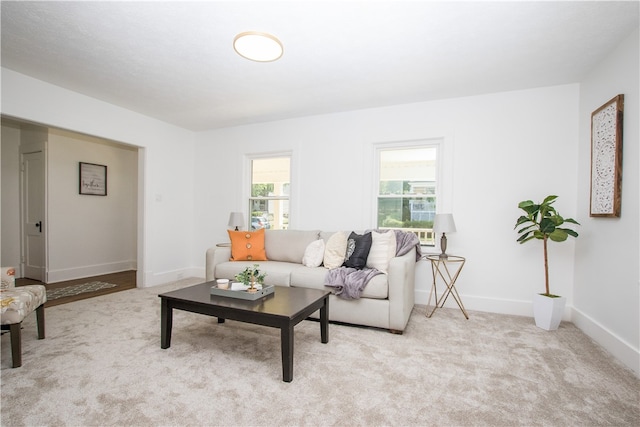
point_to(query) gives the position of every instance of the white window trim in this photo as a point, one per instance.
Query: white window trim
(246, 180)
(444, 171)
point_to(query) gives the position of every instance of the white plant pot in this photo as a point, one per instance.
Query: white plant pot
(548, 311)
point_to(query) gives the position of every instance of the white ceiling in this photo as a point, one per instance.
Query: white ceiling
(174, 60)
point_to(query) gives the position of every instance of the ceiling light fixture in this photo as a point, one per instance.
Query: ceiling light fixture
(256, 46)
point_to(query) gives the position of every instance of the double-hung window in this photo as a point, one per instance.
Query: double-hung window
(269, 199)
(408, 187)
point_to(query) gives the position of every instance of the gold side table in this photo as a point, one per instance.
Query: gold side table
(448, 269)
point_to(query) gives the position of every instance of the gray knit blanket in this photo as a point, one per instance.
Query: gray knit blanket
(347, 282)
(405, 242)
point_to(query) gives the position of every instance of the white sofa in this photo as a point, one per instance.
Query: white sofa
(386, 301)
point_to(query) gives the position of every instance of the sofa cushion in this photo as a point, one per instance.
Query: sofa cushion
(335, 250)
(313, 278)
(247, 245)
(309, 277)
(326, 235)
(358, 247)
(278, 273)
(288, 245)
(314, 254)
(383, 248)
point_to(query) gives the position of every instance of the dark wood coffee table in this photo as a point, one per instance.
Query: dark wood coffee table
(283, 309)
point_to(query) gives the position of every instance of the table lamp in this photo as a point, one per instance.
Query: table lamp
(443, 223)
(236, 219)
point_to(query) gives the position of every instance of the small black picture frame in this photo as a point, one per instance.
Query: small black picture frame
(93, 179)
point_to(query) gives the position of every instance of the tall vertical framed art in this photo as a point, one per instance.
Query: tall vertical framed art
(606, 159)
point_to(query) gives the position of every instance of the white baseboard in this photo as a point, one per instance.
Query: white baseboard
(198, 272)
(615, 345)
(154, 279)
(490, 305)
(61, 275)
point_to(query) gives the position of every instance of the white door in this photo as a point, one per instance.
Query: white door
(33, 196)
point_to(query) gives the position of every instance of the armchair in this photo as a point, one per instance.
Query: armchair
(16, 303)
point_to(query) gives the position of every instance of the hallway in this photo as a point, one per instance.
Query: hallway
(124, 280)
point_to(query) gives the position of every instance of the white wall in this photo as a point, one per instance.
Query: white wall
(10, 213)
(166, 195)
(607, 294)
(503, 148)
(90, 235)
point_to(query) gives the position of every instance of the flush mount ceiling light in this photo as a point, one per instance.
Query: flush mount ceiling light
(256, 46)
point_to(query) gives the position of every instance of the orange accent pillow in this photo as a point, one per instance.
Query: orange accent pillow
(247, 245)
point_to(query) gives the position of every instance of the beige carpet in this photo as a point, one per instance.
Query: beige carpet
(101, 365)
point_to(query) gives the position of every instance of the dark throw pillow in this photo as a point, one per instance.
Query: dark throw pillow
(358, 247)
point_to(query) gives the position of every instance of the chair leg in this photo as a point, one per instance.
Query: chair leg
(40, 320)
(16, 344)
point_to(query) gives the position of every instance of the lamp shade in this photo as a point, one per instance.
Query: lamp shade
(443, 223)
(236, 219)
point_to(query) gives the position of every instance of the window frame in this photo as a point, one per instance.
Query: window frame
(444, 173)
(247, 187)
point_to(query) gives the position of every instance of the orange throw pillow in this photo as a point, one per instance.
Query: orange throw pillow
(247, 245)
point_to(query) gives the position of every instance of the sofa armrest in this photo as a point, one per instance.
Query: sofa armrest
(401, 276)
(215, 256)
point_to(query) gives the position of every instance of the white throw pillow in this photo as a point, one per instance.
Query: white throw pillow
(383, 248)
(335, 250)
(314, 254)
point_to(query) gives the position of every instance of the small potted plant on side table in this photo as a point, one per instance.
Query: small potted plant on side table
(250, 276)
(543, 222)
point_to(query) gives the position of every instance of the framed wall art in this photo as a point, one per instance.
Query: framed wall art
(93, 179)
(606, 159)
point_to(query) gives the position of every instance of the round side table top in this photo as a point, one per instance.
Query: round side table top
(450, 258)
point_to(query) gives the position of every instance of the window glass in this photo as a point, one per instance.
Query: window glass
(269, 200)
(407, 190)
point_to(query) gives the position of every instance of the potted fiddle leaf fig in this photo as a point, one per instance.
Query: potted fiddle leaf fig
(543, 222)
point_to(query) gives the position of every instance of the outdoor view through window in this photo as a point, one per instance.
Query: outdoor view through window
(407, 190)
(269, 201)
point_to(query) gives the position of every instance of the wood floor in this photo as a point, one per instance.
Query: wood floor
(124, 280)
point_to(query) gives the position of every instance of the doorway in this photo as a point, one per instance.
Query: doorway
(71, 227)
(33, 211)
